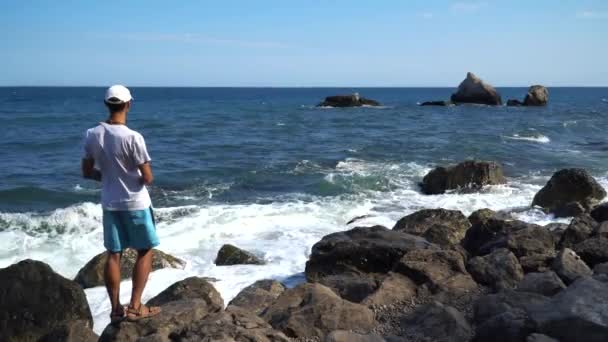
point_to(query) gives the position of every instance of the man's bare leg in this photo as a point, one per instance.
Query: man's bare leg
(141, 271)
(112, 280)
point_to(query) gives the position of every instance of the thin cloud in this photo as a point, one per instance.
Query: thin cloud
(190, 38)
(467, 7)
(426, 15)
(592, 15)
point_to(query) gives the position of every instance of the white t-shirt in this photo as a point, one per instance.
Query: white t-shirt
(118, 151)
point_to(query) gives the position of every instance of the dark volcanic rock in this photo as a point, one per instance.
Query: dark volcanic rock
(234, 324)
(258, 296)
(469, 175)
(578, 313)
(437, 103)
(230, 255)
(436, 225)
(91, 275)
(546, 283)
(191, 288)
(520, 237)
(537, 262)
(74, 331)
(347, 336)
(514, 103)
(600, 213)
(480, 216)
(593, 251)
(35, 301)
(394, 288)
(569, 266)
(537, 96)
(499, 270)
(474, 90)
(566, 187)
(540, 338)
(353, 100)
(438, 323)
(313, 310)
(580, 228)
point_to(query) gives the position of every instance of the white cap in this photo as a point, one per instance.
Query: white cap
(117, 94)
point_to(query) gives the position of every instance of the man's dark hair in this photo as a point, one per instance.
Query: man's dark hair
(115, 107)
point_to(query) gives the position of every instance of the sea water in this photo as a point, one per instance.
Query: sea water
(266, 170)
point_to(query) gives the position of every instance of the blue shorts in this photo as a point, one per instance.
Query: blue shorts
(129, 229)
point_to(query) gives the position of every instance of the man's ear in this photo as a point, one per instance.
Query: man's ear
(129, 105)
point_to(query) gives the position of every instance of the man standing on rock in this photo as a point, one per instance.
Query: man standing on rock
(123, 168)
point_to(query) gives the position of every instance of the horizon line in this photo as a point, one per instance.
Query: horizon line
(289, 87)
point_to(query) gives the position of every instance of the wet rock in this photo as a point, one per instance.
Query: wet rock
(353, 100)
(593, 251)
(600, 212)
(537, 96)
(437, 103)
(74, 331)
(190, 288)
(569, 266)
(347, 336)
(468, 175)
(474, 90)
(440, 226)
(313, 310)
(499, 269)
(230, 255)
(567, 186)
(546, 283)
(258, 296)
(580, 228)
(578, 313)
(437, 322)
(234, 324)
(35, 301)
(91, 275)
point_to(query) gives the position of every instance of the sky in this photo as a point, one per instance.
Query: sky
(293, 43)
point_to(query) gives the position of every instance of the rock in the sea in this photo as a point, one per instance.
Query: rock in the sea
(230, 255)
(600, 213)
(474, 90)
(499, 269)
(546, 283)
(537, 96)
(353, 100)
(566, 187)
(569, 266)
(347, 336)
(35, 301)
(234, 324)
(437, 322)
(437, 103)
(366, 254)
(313, 310)
(91, 275)
(514, 103)
(593, 251)
(468, 175)
(258, 296)
(580, 228)
(578, 313)
(439, 226)
(190, 288)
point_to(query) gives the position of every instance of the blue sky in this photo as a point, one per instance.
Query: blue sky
(303, 43)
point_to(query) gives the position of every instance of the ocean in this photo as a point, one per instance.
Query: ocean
(266, 170)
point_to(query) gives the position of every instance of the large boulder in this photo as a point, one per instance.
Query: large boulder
(313, 310)
(580, 228)
(353, 100)
(190, 288)
(437, 322)
(91, 275)
(546, 283)
(73, 331)
(234, 324)
(537, 96)
(230, 255)
(468, 175)
(499, 269)
(593, 251)
(523, 239)
(578, 313)
(567, 187)
(569, 266)
(35, 301)
(474, 90)
(439, 226)
(600, 213)
(258, 296)
(362, 255)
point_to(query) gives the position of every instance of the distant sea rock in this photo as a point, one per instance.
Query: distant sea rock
(230, 255)
(470, 175)
(437, 103)
(474, 90)
(353, 100)
(537, 95)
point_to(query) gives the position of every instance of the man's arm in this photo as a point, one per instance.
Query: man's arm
(146, 173)
(89, 171)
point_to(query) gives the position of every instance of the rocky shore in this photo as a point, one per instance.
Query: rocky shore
(436, 275)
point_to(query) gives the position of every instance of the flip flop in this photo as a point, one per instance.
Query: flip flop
(134, 315)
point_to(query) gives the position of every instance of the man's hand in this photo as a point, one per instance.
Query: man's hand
(89, 171)
(146, 173)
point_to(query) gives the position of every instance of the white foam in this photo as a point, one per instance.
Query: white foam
(282, 232)
(539, 138)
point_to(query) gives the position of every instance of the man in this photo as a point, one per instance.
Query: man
(123, 168)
